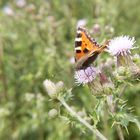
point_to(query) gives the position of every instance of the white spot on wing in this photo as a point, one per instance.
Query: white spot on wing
(78, 31)
(78, 39)
(78, 48)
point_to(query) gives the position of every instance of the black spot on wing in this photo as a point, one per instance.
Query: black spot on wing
(78, 51)
(85, 50)
(78, 43)
(79, 35)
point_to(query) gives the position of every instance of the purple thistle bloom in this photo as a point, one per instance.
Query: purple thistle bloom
(121, 45)
(81, 22)
(85, 76)
(8, 11)
(21, 3)
(121, 48)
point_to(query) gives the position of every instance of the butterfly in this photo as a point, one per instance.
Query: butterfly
(86, 49)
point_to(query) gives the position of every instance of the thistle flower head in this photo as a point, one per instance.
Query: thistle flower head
(81, 22)
(84, 76)
(96, 29)
(21, 3)
(121, 45)
(8, 11)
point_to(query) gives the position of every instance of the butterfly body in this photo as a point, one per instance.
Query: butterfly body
(86, 49)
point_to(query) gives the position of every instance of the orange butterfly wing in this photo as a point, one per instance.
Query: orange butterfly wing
(84, 44)
(86, 49)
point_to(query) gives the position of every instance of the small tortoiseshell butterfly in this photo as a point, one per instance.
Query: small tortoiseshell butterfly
(86, 49)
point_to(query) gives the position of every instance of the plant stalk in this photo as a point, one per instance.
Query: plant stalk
(120, 133)
(112, 108)
(82, 121)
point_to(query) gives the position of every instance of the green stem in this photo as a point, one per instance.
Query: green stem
(82, 121)
(120, 133)
(2, 74)
(112, 108)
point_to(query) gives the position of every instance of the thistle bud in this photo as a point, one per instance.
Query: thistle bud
(52, 113)
(109, 29)
(96, 29)
(60, 86)
(50, 88)
(53, 89)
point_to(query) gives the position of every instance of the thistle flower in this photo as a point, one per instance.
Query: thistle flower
(120, 47)
(8, 11)
(81, 22)
(87, 76)
(21, 3)
(84, 76)
(96, 29)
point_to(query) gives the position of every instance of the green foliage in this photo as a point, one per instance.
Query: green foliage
(37, 43)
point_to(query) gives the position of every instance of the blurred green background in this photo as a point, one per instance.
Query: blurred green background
(37, 42)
